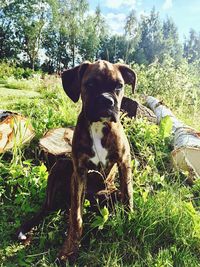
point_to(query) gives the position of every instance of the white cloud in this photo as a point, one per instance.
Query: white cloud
(116, 22)
(118, 3)
(167, 4)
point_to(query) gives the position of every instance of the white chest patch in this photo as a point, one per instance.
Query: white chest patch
(96, 135)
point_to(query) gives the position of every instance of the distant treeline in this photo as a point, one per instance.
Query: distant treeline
(67, 33)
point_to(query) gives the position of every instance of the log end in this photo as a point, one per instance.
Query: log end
(58, 141)
(187, 159)
(15, 130)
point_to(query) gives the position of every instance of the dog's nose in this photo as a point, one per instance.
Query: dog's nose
(105, 100)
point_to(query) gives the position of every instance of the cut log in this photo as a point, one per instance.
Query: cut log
(58, 141)
(134, 109)
(14, 130)
(186, 140)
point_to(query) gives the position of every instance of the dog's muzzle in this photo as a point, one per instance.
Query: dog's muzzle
(103, 106)
(105, 100)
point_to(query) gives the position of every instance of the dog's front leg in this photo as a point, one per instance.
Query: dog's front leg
(126, 184)
(71, 244)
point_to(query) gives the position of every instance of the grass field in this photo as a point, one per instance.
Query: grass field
(162, 231)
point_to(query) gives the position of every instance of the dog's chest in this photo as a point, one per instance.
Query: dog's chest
(100, 152)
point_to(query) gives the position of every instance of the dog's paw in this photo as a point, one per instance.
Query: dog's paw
(21, 236)
(67, 256)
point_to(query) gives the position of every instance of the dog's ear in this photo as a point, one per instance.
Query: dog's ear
(71, 81)
(128, 75)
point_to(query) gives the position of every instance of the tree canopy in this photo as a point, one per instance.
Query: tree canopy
(66, 33)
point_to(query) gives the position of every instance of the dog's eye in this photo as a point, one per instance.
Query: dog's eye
(119, 87)
(89, 85)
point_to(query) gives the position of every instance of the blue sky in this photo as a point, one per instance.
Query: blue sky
(186, 14)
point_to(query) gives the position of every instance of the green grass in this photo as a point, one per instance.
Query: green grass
(11, 92)
(164, 228)
(15, 93)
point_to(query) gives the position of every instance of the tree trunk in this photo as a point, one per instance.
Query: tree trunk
(73, 55)
(32, 61)
(186, 140)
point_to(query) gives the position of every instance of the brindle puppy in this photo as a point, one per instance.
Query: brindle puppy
(99, 140)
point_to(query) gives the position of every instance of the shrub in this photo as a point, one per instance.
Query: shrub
(9, 70)
(177, 86)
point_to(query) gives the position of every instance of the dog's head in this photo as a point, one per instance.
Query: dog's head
(101, 87)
